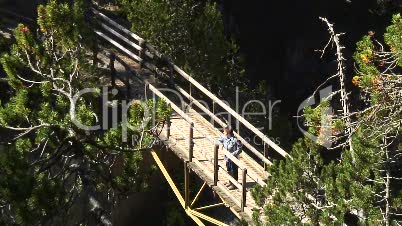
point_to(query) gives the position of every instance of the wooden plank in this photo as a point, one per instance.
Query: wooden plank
(153, 51)
(236, 202)
(186, 185)
(256, 167)
(113, 42)
(202, 172)
(234, 181)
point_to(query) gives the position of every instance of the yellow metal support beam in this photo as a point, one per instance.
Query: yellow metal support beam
(196, 216)
(198, 194)
(205, 217)
(209, 206)
(195, 219)
(168, 178)
(174, 188)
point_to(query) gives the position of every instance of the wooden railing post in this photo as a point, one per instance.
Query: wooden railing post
(244, 191)
(168, 124)
(171, 74)
(186, 185)
(112, 58)
(128, 88)
(141, 53)
(191, 142)
(190, 92)
(95, 50)
(265, 154)
(213, 112)
(216, 166)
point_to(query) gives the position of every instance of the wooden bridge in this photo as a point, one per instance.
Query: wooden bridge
(192, 130)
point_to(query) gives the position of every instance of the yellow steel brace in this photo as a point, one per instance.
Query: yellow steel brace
(191, 213)
(198, 194)
(174, 188)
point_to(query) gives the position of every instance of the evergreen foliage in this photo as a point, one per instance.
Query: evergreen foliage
(52, 172)
(191, 33)
(363, 184)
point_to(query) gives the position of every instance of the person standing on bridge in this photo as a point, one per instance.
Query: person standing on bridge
(231, 144)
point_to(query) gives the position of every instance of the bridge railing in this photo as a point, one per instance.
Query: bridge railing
(144, 53)
(233, 113)
(241, 186)
(143, 50)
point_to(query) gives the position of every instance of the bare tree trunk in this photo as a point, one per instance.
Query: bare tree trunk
(387, 182)
(341, 75)
(89, 188)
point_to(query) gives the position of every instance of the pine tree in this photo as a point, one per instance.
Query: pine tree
(191, 34)
(365, 181)
(52, 172)
(378, 127)
(296, 191)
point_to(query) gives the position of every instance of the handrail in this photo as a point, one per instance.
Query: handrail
(221, 123)
(128, 52)
(153, 51)
(121, 28)
(190, 121)
(231, 111)
(185, 116)
(172, 105)
(230, 156)
(144, 46)
(199, 86)
(117, 34)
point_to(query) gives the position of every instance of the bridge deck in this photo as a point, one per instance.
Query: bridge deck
(204, 133)
(205, 136)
